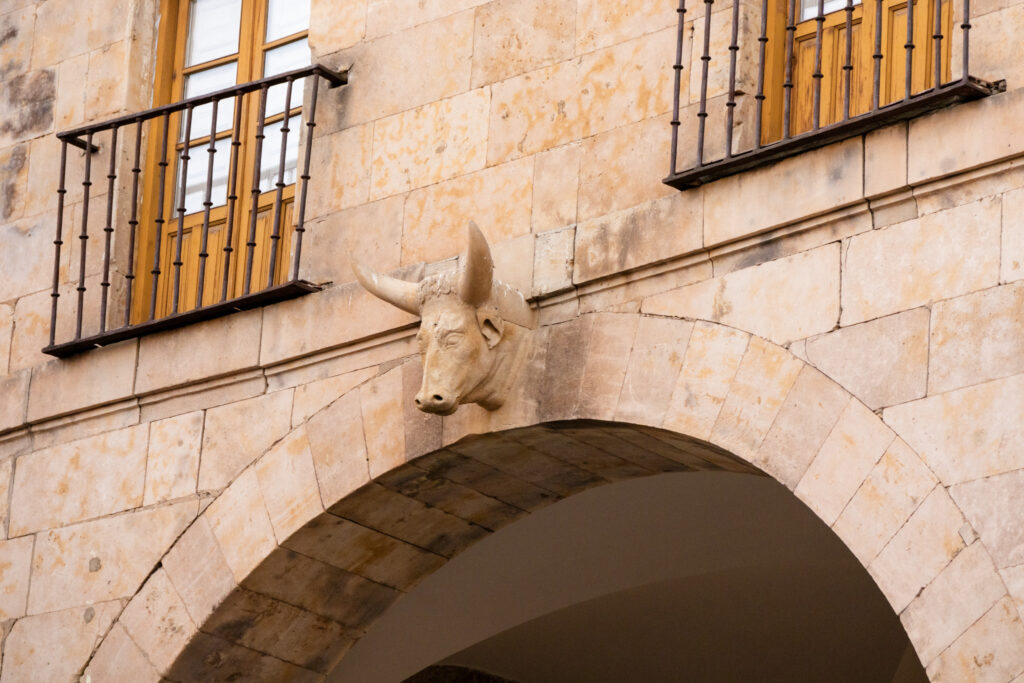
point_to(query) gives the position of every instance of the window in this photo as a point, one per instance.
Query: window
(772, 78)
(212, 45)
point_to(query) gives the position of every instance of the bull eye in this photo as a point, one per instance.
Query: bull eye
(451, 339)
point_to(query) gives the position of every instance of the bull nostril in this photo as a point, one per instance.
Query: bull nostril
(418, 402)
(438, 398)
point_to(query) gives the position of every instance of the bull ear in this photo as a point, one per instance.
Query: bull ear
(399, 293)
(491, 327)
(477, 269)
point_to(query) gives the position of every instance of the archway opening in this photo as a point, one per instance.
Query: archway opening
(714, 573)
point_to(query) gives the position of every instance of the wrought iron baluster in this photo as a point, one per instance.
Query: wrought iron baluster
(180, 234)
(877, 57)
(133, 224)
(787, 85)
(300, 223)
(909, 46)
(731, 102)
(233, 165)
(162, 164)
(677, 68)
(817, 76)
(275, 234)
(763, 41)
(250, 245)
(207, 204)
(848, 64)
(58, 240)
(108, 229)
(83, 236)
(705, 58)
(937, 43)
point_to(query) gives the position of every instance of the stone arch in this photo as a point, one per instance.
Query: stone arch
(322, 532)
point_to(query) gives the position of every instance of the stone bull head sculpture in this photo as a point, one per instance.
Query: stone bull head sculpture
(474, 331)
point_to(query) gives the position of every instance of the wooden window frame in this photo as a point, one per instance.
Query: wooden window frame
(169, 87)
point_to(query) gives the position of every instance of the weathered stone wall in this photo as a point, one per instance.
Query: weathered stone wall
(882, 279)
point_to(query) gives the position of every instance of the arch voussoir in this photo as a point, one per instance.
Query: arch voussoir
(322, 533)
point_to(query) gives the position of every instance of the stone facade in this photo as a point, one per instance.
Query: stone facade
(849, 321)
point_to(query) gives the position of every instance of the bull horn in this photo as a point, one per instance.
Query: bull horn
(477, 269)
(399, 293)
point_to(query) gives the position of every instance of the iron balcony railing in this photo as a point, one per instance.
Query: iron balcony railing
(98, 320)
(814, 87)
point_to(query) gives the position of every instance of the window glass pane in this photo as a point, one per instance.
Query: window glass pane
(285, 17)
(809, 8)
(195, 182)
(285, 58)
(207, 81)
(272, 153)
(212, 30)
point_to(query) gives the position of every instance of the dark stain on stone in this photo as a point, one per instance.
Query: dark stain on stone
(89, 614)
(9, 173)
(26, 104)
(769, 250)
(95, 565)
(9, 34)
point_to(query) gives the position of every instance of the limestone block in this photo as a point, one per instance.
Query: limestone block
(90, 28)
(26, 105)
(80, 480)
(712, 357)
(390, 16)
(382, 411)
(86, 423)
(325, 319)
(654, 363)
(487, 480)
(962, 151)
(373, 232)
(198, 570)
(559, 393)
(321, 588)
(534, 112)
(968, 433)
(892, 491)
(368, 553)
(43, 170)
(556, 181)
(553, 261)
(426, 145)
(336, 24)
(882, 362)
(885, 159)
(782, 300)
(600, 23)
(638, 236)
(626, 83)
(963, 592)
(803, 428)
(514, 36)
(390, 74)
(15, 561)
(497, 199)
(1013, 236)
(118, 657)
(825, 179)
(339, 170)
(51, 648)
(937, 256)
(455, 499)
(976, 337)
(173, 457)
(992, 505)
(845, 460)
(17, 23)
(107, 87)
(920, 549)
(267, 625)
(747, 56)
(310, 398)
(157, 621)
(13, 184)
(236, 387)
(604, 368)
(992, 649)
(423, 431)
(288, 482)
(210, 658)
(14, 389)
(169, 358)
(623, 167)
(763, 380)
(339, 450)
(26, 263)
(103, 559)
(408, 520)
(241, 524)
(236, 434)
(7, 469)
